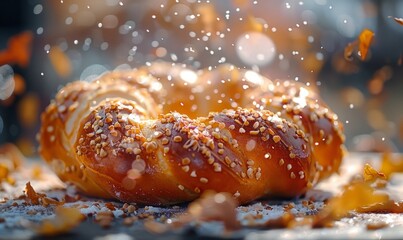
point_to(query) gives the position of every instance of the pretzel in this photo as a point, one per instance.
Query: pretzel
(164, 133)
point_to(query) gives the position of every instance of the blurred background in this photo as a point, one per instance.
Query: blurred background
(45, 44)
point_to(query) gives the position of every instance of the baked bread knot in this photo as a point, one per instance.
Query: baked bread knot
(164, 133)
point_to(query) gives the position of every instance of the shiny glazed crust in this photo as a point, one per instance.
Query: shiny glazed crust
(163, 134)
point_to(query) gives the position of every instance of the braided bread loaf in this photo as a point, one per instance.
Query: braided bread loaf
(159, 134)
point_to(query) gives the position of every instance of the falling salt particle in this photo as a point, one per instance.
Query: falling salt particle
(237, 9)
(75, 42)
(121, 3)
(311, 39)
(319, 56)
(155, 44)
(104, 46)
(73, 8)
(305, 22)
(68, 21)
(38, 9)
(181, 26)
(273, 29)
(330, 7)
(347, 121)
(153, 17)
(7, 83)
(255, 2)
(345, 21)
(42, 74)
(280, 56)
(351, 106)
(174, 57)
(46, 47)
(301, 3)
(99, 25)
(383, 139)
(290, 29)
(287, 5)
(296, 78)
(39, 30)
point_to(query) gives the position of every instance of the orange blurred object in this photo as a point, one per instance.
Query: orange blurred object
(365, 40)
(60, 62)
(18, 50)
(398, 20)
(28, 110)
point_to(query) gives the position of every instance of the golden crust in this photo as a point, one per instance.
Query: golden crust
(111, 138)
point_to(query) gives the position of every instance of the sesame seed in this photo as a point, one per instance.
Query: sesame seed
(151, 146)
(181, 187)
(203, 180)
(166, 150)
(164, 141)
(136, 151)
(52, 138)
(249, 172)
(197, 190)
(193, 174)
(267, 155)
(185, 168)
(210, 160)
(321, 133)
(289, 166)
(50, 129)
(227, 160)
(61, 108)
(237, 194)
(256, 125)
(254, 132)
(231, 127)
(292, 175)
(242, 130)
(221, 125)
(103, 153)
(220, 151)
(258, 175)
(220, 145)
(216, 135)
(232, 165)
(185, 161)
(250, 162)
(300, 133)
(217, 167)
(281, 162)
(177, 139)
(276, 138)
(157, 134)
(262, 129)
(292, 155)
(271, 131)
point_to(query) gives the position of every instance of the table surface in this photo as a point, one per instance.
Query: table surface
(351, 227)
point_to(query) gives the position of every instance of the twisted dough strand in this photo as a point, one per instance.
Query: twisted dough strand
(111, 137)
